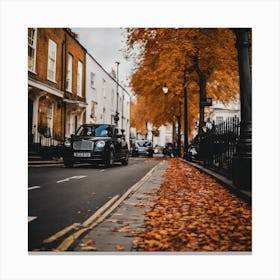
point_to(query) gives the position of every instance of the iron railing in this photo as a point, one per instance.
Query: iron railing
(44, 143)
(217, 146)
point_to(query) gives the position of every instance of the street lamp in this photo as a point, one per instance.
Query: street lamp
(242, 160)
(116, 117)
(165, 90)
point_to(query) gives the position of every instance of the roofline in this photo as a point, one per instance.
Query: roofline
(71, 35)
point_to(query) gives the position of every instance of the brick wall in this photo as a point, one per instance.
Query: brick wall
(79, 54)
(43, 36)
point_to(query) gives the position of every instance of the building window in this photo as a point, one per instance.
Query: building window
(103, 114)
(93, 110)
(50, 119)
(79, 78)
(69, 73)
(32, 36)
(92, 80)
(103, 88)
(112, 119)
(52, 60)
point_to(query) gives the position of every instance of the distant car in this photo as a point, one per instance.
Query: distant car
(158, 149)
(96, 143)
(168, 150)
(142, 148)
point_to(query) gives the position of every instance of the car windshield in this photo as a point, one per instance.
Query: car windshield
(143, 144)
(95, 131)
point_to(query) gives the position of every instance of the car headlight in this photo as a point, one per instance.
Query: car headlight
(67, 143)
(100, 144)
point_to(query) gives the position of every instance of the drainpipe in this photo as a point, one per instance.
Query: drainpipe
(64, 83)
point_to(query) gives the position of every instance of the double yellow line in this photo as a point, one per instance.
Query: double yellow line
(96, 218)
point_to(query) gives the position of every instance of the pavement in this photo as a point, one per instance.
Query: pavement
(246, 195)
(115, 233)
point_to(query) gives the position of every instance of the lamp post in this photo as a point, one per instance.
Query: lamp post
(186, 119)
(116, 117)
(165, 90)
(242, 160)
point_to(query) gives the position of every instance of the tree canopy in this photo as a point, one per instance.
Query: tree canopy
(208, 58)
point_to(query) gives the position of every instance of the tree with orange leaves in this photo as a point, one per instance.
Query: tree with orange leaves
(206, 58)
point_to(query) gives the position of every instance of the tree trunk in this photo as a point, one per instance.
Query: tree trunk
(202, 95)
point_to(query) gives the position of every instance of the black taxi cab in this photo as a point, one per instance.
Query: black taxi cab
(96, 143)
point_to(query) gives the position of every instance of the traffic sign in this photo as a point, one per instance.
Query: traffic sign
(206, 102)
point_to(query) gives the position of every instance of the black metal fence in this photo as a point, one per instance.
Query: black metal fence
(42, 141)
(217, 146)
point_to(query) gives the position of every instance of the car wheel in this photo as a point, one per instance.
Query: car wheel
(68, 164)
(110, 160)
(125, 161)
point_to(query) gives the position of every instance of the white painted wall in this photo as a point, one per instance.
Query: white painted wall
(104, 94)
(165, 135)
(219, 112)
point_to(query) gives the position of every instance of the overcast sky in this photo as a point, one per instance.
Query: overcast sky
(106, 45)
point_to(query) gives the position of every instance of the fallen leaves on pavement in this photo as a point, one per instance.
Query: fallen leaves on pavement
(194, 213)
(120, 247)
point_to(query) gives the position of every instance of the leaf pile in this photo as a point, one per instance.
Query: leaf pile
(194, 213)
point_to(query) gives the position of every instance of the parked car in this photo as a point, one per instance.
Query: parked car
(158, 149)
(192, 151)
(168, 150)
(142, 148)
(96, 143)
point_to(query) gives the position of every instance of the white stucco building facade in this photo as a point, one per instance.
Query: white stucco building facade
(164, 136)
(101, 97)
(219, 112)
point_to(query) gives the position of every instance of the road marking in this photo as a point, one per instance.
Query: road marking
(34, 188)
(99, 216)
(99, 211)
(92, 222)
(102, 170)
(70, 239)
(31, 218)
(77, 226)
(70, 178)
(61, 233)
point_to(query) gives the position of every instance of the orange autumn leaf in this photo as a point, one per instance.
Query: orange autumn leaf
(120, 247)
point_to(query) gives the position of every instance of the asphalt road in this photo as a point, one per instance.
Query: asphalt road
(59, 197)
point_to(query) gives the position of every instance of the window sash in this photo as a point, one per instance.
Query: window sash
(79, 79)
(52, 60)
(32, 36)
(69, 73)
(103, 88)
(92, 76)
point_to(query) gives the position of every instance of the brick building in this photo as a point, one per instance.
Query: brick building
(56, 84)
(74, 101)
